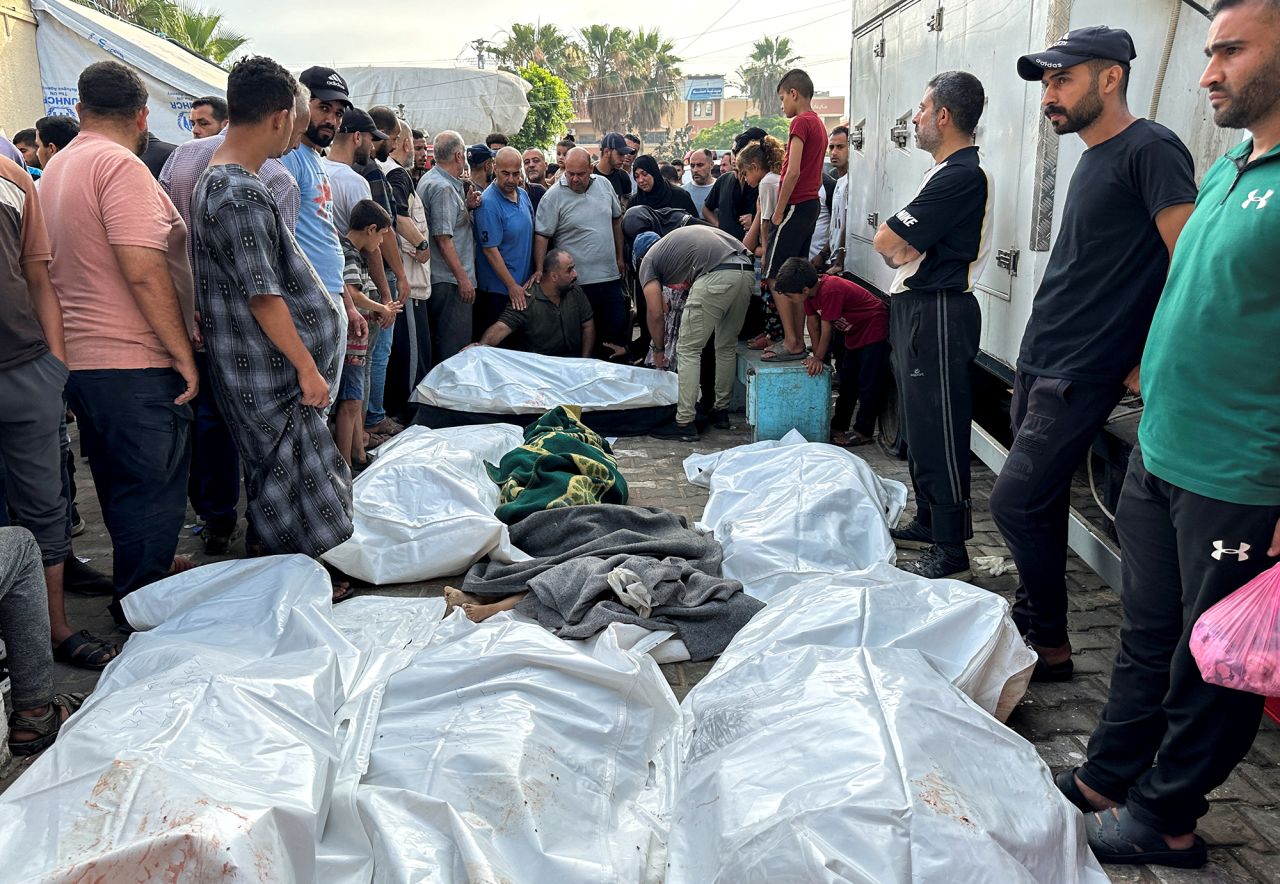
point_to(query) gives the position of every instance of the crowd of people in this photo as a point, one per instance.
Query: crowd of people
(253, 309)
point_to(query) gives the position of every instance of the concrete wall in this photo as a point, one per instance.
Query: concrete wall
(21, 99)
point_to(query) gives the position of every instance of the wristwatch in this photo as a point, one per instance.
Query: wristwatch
(422, 246)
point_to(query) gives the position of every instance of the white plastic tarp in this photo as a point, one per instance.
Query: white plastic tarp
(424, 508)
(818, 764)
(965, 632)
(490, 380)
(788, 510)
(207, 749)
(472, 102)
(70, 37)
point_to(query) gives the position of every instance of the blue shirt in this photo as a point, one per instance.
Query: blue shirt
(508, 226)
(315, 232)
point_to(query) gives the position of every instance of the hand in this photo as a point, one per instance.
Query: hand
(473, 200)
(759, 251)
(1274, 549)
(842, 325)
(422, 256)
(660, 359)
(357, 326)
(466, 291)
(517, 296)
(536, 279)
(745, 220)
(187, 368)
(405, 291)
(622, 265)
(813, 365)
(777, 217)
(388, 312)
(1133, 381)
(197, 336)
(315, 390)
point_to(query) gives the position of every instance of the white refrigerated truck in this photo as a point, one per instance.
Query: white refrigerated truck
(898, 46)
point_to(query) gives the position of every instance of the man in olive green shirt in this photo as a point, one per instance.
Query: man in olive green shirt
(1199, 515)
(557, 319)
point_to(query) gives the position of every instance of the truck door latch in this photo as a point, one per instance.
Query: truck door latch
(1008, 260)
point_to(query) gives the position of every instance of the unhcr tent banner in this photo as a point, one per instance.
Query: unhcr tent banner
(70, 37)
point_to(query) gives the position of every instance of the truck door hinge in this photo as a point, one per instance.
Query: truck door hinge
(1008, 259)
(873, 219)
(877, 48)
(935, 21)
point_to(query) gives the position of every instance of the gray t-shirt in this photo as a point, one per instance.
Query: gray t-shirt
(582, 225)
(447, 215)
(685, 254)
(699, 193)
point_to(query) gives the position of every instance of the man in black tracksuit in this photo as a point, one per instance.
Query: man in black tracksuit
(939, 244)
(1130, 195)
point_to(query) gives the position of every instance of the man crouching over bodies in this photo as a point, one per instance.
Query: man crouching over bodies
(557, 318)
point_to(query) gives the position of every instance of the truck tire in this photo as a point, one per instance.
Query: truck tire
(893, 441)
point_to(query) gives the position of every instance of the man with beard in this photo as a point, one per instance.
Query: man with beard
(1130, 195)
(557, 319)
(838, 151)
(1199, 515)
(122, 277)
(270, 328)
(939, 244)
(315, 232)
(421, 159)
(535, 176)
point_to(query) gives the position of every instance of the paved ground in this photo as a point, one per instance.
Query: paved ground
(1242, 828)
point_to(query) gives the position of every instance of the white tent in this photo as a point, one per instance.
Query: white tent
(468, 100)
(70, 37)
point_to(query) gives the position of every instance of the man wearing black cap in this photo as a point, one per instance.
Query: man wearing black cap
(939, 244)
(315, 232)
(1199, 515)
(612, 166)
(1130, 195)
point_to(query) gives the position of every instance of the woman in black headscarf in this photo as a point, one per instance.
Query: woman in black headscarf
(652, 189)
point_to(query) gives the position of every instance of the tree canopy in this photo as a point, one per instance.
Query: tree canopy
(550, 109)
(203, 31)
(721, 135)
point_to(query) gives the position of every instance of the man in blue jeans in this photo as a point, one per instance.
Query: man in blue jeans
(121, 273)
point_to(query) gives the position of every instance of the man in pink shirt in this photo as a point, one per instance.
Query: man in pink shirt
(122, 276)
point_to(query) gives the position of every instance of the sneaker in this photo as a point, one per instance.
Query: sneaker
(79, 578)
(78, 528)
(673, 430)
(913, 536)
(941, 560)
(720, 418)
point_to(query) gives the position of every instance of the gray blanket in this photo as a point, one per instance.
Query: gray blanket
(575, 549)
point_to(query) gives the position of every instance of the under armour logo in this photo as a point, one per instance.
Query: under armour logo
(1260, 200)
(1220, 550)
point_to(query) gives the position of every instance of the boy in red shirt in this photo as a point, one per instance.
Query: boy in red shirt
(796, 213)
(840, 311)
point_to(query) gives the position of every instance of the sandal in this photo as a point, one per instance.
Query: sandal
(180, 564)
(1066, 783)
(1116, 837)
(779, 353)
(759, 342)
(46, 727)
(85, 651)
(852, 439)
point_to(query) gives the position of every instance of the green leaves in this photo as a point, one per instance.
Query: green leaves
(550, 109)
(200, 30)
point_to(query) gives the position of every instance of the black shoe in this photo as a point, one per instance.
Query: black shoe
(1046, 672)
(218, 544)
(720, 418)
(941, 560)
(913, 536)
(80, 579)
(673, 430)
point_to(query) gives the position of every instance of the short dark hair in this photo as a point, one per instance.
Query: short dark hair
(632, 137)
(567, 143)
(110, 89)
(798, 80)
(497, 138)
(961, 93)
(384, 118)
(668, 171)
(839, 130)
(217, 105)
(794, 276)
(368, 212)
(418, 133)
(258, 87)
(25, 136)
(1219, 5)
(554, 258)
(1098, 65)
(57, 131)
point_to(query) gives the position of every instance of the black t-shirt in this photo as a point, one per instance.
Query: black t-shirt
(729, 199)
(536, 193)
(620, 180)
(401, 186)
(1090, 317)
(945, 223)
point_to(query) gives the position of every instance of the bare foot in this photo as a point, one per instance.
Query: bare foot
(478, 613)
(1097, 799)
(456, 598)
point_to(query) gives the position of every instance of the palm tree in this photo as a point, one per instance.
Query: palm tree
(202, 31)
(546, 46)
(758, 78)
(605, 89)
(652, 81)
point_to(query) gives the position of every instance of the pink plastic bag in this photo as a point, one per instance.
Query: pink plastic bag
(1236, 643)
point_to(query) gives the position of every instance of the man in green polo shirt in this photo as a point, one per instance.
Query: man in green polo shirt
(557, 318)
(1199, 516)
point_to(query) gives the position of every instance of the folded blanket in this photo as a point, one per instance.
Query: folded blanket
(562, 463)
(575, 550)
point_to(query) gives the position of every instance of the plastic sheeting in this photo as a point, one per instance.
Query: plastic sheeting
(788, 510)
(965, 632)
(818, 764)
(497, 381)
(70, 37)
(425, 507)
(470, 101)
(206, 751)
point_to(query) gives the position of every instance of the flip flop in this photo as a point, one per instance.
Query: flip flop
(851, 440)
(1116, 837)
(759, 342)
(779, 353)
(84, 650)
(1066, 783)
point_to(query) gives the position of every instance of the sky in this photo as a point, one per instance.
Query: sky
(715, 41)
